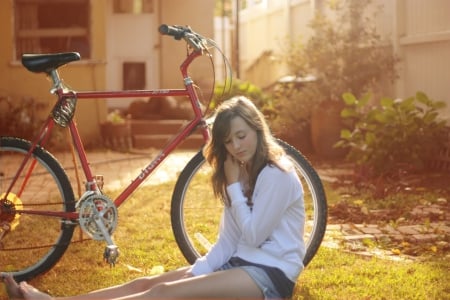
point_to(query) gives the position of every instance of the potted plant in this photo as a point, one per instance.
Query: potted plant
(345, 54)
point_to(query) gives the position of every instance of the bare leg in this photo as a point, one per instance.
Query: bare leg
(30, 292)
(12, 288)
(136, 286)
(228, 284)
(234, 283)
(133, 287)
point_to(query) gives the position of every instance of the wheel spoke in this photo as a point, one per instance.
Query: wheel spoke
(37, 235)
(196, 212)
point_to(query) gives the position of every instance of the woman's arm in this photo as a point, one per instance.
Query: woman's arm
(274, 191)
(222, 250)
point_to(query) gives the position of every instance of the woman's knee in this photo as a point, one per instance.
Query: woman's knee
(141, 284)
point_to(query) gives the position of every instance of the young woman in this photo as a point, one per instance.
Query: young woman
(260, 248)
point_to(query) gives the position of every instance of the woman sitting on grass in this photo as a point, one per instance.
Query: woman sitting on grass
(260, 248)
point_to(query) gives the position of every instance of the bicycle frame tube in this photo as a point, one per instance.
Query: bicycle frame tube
(171, 145)
(41, 139)
(188, 92)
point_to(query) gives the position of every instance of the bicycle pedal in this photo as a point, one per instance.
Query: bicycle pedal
(111, 254)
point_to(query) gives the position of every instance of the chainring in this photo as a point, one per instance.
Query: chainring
(94, 206)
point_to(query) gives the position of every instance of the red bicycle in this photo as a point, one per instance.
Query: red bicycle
(37, 198)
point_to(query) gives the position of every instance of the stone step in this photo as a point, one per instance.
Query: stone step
(156, 133)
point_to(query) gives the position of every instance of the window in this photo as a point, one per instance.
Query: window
(134, 75)
(51, 26)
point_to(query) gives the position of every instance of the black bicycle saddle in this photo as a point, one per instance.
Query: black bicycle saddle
(39, 63)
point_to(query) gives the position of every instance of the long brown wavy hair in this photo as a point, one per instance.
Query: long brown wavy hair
(267, 151)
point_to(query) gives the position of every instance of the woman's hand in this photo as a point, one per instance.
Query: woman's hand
(232, 169)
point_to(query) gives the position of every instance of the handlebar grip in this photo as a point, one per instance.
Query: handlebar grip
(177, 32)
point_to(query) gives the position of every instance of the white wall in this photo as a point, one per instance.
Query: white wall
(419, 29)
(222, 36)
(423, 42)
(131, 38)
(270, 27)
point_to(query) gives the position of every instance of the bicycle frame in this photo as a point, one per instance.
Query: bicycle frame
(91, 185)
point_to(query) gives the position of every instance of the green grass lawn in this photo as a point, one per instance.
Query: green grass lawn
(146, 242)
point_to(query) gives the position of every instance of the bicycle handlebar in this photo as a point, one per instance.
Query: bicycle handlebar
(176, 31)
(184, 32)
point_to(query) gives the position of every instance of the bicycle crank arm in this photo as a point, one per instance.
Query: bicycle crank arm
(111, 251)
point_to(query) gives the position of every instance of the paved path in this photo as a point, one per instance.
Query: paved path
(119, 169)
(428, 234)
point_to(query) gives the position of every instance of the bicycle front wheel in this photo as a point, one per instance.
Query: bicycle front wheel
(30, 242)
(195, 212)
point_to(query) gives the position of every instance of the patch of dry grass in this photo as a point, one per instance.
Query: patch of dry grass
(145, 239)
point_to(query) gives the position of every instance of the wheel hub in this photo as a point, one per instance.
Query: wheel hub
(9, 218)
(8, 209)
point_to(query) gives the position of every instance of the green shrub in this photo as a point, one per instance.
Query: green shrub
(225, 91)
(19, 116)
(345, 53)
(393, 136)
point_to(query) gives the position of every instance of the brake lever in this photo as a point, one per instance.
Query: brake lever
(196, 41)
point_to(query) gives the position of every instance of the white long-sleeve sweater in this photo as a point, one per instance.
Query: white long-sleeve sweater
(270, 234)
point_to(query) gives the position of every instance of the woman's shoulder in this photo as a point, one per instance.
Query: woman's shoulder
(281, 175)
(283, 166)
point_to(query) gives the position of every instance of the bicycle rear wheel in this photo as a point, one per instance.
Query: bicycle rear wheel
(31, 244)
(195, 213)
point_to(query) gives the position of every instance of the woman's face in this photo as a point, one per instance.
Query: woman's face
(242, 141)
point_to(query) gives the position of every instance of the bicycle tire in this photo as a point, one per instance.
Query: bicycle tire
(35, 243)
(195, 215)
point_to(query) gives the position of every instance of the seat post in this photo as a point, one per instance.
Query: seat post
(54, 75)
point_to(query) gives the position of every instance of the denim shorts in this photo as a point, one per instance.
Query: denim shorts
(260, 277)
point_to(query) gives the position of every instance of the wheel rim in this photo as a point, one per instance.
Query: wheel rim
(199, 212)
(35, 242)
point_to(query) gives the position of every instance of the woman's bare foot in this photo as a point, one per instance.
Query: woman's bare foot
(12, 288)
(30, 292)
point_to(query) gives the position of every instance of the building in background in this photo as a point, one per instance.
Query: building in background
(118, 41)
(121, 47)
(419, 31)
